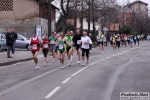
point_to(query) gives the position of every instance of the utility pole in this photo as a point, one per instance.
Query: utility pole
(89, 17)
(93, 17)
(82, 18)
(49, 17)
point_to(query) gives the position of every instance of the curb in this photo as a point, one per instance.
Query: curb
(17, 61)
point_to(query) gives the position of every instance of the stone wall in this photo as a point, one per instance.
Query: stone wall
(22, 9)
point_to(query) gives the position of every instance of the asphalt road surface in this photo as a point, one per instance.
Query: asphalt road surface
(108, 74)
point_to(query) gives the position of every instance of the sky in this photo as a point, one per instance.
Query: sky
(120, 1)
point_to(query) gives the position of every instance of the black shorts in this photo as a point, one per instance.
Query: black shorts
(68, 49)
(45, 52)
(78, 47)
(102, 43)
(85, 51)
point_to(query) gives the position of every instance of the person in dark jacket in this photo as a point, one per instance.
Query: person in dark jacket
(8, 42)
(14, 38)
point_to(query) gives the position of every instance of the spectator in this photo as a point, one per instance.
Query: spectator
(8, 42)
(14, 38)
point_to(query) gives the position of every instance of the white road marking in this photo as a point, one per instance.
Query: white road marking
(65, 81)
(78, 72)
(52, 92)
(113, 79)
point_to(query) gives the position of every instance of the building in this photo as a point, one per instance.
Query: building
(132, 10)
(24, 15)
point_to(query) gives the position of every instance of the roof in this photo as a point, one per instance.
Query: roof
(129, 5)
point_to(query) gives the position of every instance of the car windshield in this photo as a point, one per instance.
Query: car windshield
(22, 37)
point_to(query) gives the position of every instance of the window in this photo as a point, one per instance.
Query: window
(19, 38)
(6, 5)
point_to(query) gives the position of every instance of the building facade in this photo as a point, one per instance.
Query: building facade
(24, 15)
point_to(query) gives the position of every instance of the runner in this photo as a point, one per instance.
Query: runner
(52, 40)
(131, 41)
(69, 46)
(61, 49)
(138, 39)
(72, 34)
(77, 43)
(134, 38)
(45, 48)
(101, 42)
(128, 39)
(35, 42)
(105, 41)
(125, 40)
(118, 41)
(122, 40)
(114, 41)
(111, 41)
(91, 37)
(86, 41)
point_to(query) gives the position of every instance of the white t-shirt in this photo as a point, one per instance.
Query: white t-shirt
(87, 40)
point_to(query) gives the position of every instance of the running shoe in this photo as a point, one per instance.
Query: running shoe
(68, 63)
(79, 62)
(83, 64)
(62, 67)
(45, 64)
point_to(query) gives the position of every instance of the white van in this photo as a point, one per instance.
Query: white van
(3, 42)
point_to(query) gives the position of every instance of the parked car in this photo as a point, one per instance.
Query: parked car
(3, 42)
(22, 42)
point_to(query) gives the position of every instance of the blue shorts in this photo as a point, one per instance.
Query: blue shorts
(53, 47)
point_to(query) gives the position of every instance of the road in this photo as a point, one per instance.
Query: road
(108, 74)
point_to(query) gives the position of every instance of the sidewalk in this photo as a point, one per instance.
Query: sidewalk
(19, 56)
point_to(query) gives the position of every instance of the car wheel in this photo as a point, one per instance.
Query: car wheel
(28, 47)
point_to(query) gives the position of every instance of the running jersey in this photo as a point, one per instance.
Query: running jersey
(52, 39)
(125, 38)
(131, 39)
(45, 44)
(128, 38)
(69, 39)
(77, 39)
(35, 44)
(61, 45)
(134, 37)
(114, 39)
(101, 37)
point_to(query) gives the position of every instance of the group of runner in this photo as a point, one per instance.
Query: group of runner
(65, 44)
(60, 46)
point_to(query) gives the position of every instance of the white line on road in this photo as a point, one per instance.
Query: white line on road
(65, 81)
(52, 93)
(105, 59)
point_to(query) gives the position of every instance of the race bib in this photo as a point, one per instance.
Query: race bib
(61, 46)
(69, 42)
(34, 47)
(52, 42)
(100, 40)
(78, 41)
(45, 45)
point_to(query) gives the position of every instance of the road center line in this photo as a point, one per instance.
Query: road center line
(52, 93)
(65, 81)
